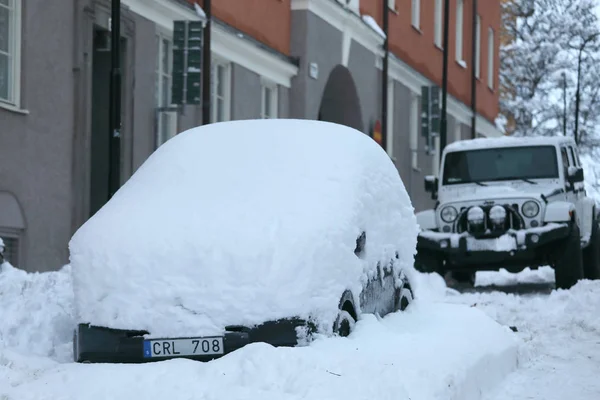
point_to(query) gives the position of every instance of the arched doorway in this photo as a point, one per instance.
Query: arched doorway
(340, 103)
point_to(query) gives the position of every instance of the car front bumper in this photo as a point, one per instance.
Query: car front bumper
(94, 344)
(524, 245)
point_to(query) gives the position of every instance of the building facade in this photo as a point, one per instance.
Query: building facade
(313, 59)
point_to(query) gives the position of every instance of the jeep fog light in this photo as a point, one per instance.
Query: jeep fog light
(498, 215)
(530, 209)
(475, 215)
(444, 244)
(535, 238)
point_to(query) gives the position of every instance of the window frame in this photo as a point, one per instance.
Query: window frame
(438, 19)
(415, 14)
(490, 61)
(274, 94)
(414, 131)
(14, 54)
(459, 25)
(478, 47)
(160, 76)
(226, 96)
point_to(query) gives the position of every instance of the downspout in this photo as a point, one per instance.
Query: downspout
(206, 65)
(474, 75)
(384, 76)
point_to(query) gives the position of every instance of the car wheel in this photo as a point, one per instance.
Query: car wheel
(344, 324)
(591, 255)
(403, 298)
(568, 268)
(463, 278)
(428, 263)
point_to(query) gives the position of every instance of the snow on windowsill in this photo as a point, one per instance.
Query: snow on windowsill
(462, 63)
(367, 19)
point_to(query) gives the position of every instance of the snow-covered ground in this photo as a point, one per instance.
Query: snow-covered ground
(559, 355)
(431, 351)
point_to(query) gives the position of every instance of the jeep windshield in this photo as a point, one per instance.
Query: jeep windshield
(500, 164)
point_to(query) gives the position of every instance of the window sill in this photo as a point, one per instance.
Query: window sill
(13, 108)
(416, 28)
(416, 169)
(440, 48)
(462, 63)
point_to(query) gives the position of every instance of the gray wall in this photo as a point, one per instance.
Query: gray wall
(314, 41)
(35, 149)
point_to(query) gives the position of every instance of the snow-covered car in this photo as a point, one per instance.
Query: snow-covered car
(239, 232)
(510, 203)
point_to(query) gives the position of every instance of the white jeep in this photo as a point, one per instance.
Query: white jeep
(510, 203)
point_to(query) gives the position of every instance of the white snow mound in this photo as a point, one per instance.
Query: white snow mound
(431, 351)
(239, 223)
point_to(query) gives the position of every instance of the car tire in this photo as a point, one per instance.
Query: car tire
(344, 324)
(591, 254)
(464, 278)
(403, 298)
(568, 268)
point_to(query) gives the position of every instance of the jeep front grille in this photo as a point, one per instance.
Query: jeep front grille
(513, 220)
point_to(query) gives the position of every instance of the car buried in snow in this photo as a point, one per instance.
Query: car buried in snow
(510, 203)
(239, 232)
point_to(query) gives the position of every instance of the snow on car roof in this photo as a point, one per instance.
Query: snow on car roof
(239, 223)
(507, 141)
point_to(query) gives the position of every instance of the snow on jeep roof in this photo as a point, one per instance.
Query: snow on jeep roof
(239, 223)
(507, 141)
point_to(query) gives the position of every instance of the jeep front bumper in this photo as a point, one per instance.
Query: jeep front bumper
(526, 245)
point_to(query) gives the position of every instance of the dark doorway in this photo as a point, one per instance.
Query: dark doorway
(340, 103)
(99, 144)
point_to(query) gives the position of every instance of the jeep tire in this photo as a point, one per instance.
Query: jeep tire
(568, 266)
(428, 262)
(464, 278)
(591, 254)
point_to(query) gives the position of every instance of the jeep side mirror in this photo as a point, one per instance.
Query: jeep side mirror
(575, 174)
(431, 185)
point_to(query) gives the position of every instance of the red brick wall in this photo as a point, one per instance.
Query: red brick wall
(267, 21)
(418, 49)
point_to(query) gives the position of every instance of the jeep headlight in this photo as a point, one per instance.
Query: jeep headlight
(530, 209)
(448, 214)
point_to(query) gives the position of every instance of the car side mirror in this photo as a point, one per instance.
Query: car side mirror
(431, 185)
(575, 174)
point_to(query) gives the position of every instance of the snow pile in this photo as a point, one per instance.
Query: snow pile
(559, 354)
(242, 222)
(37, 312)
(431, 351)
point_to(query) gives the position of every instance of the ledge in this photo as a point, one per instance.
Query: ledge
(13, 108)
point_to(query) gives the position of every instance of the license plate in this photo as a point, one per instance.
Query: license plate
(183, 347)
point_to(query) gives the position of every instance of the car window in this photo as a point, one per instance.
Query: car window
(575, 156)
(565, 157)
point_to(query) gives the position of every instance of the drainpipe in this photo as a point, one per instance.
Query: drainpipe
(384, 76)
(206, 65)
(443, 133)
(474, 75)
(114, 153)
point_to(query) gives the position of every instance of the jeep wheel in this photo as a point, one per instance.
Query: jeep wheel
(591, 255)
(568, 268)
(428, 262)
(344, 324)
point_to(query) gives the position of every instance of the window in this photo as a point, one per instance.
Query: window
(477, 46)
(491, 58)
(268, 101)
(220, 92)
(10, 42)
(438, 22)
(392, 5)
(414, 131)
(498, 164)
(390, 120)
(11, 246)
(459, 30)
(416, 13)
(167, 121)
